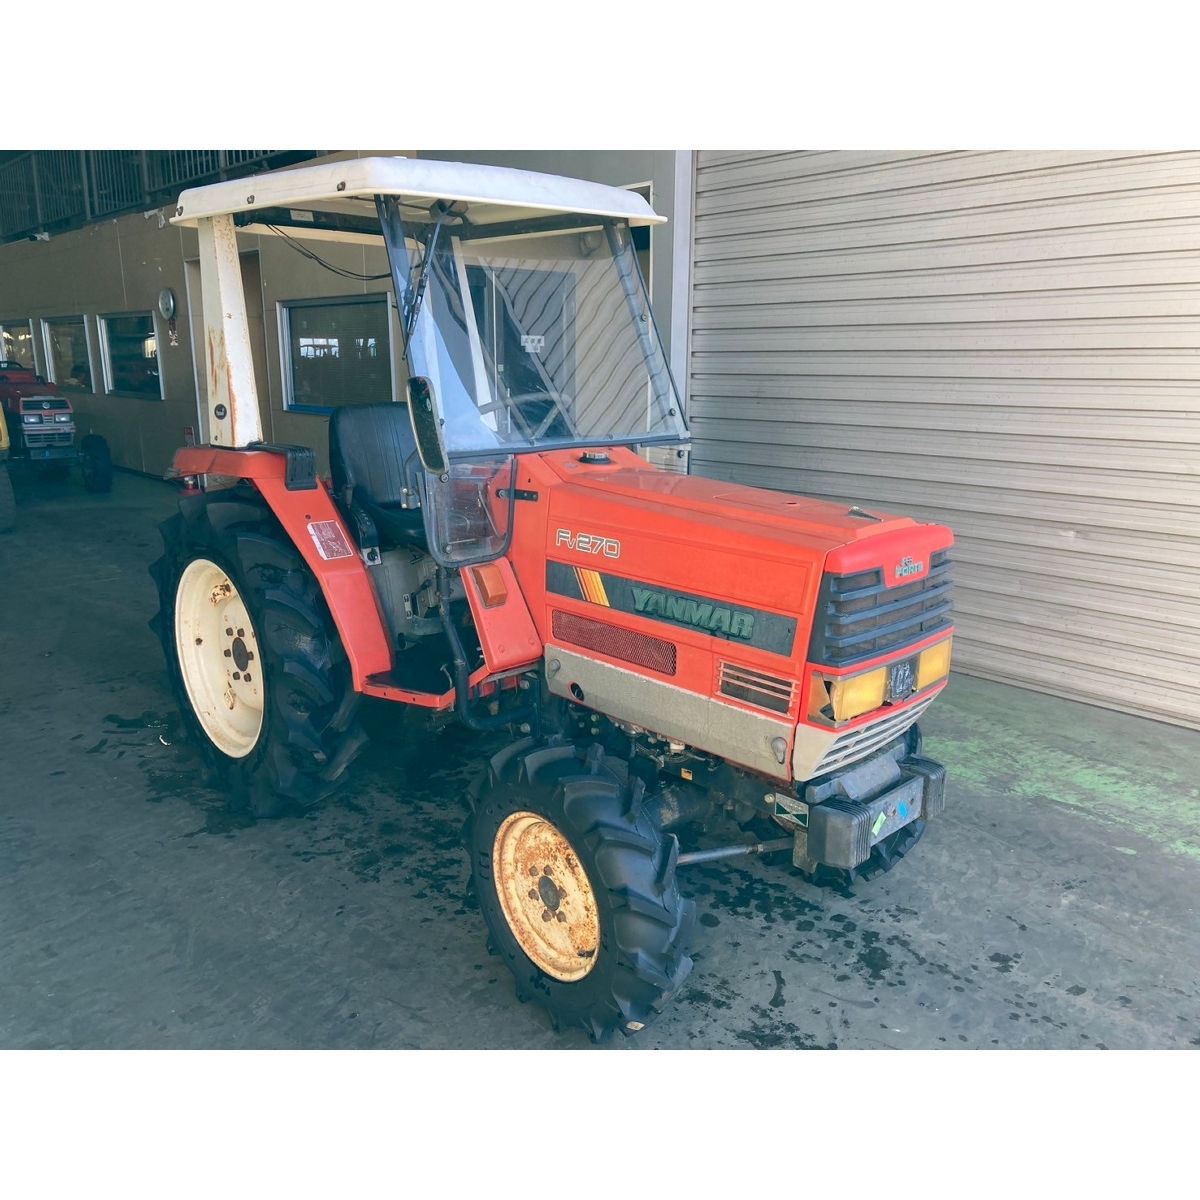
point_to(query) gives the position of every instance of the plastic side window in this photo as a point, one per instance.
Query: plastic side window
(469, 510)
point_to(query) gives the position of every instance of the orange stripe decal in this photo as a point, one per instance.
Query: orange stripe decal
(592, 586)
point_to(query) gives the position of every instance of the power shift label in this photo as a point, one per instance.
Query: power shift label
(329, 540)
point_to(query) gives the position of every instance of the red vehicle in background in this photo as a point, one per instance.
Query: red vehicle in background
(41, 429)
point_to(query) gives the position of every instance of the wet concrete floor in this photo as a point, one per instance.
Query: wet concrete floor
(1054, 904)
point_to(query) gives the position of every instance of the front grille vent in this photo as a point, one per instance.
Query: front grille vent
(859, 617)
(858, 743)
(35, 404)
(754, 687)
(49, 439)
(637, 648)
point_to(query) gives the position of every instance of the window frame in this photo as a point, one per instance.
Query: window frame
(283, 313)
(51, 372)
(102, 320)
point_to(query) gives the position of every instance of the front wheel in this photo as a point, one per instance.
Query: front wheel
(95, 463)
(578, 889)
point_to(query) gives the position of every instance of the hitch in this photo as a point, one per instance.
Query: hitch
(699, 856)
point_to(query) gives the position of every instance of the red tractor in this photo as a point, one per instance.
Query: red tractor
(41, 429)
(664, 648)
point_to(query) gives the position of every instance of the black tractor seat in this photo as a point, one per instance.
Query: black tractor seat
(376, 474)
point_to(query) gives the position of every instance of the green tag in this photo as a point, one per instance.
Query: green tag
(880, 822)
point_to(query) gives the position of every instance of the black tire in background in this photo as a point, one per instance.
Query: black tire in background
(309, 733)
(8, 502)
(95, 464)
(644, 920)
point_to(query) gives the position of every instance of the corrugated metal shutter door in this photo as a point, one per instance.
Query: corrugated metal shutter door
(1007, 342)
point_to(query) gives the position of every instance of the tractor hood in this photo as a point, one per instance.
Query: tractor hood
(773, 516)
(711, 537)
(20, 383)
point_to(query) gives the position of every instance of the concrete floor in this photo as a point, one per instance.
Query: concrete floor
(1052, 905)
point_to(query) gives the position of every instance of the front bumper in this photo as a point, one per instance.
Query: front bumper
(842, 817)
(52, 453)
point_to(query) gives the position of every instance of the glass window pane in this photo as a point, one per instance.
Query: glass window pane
(17, 343)
(133, 354)
(66, 345)
(340, 353)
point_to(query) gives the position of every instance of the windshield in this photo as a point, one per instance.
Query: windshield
(534, 335)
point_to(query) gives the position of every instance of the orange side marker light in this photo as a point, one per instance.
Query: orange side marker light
(490, 583)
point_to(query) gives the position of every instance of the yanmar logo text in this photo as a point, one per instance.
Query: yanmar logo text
(908, 567)
(686, 611)
(588, 543)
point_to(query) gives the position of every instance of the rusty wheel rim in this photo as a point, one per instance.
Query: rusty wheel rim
(218, 658)
(546, 896)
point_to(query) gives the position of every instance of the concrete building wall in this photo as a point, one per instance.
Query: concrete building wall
(121, 265)
(118, 266)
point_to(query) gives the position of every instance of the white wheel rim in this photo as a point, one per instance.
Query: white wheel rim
(219, 658)
(546, 896)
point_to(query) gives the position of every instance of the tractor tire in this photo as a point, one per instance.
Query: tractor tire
(578, 889)
(234, 594)
(95, 464)
(8, 502)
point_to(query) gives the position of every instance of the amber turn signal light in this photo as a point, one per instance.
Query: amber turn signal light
(490, 582)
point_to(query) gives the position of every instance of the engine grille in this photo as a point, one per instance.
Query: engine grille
(637, 648)
(754, 687)
(57, 438)
(859, 617)
(43, 404)
(858, 743)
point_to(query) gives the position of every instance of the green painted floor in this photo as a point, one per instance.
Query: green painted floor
(1126, 775)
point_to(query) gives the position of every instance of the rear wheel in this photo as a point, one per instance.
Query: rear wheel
(8, 503)
(256, 665)
(95, 463)
(578, 890)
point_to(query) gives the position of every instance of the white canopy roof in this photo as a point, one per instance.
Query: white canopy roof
(495, 193)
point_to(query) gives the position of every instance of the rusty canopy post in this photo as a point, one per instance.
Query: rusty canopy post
(233, 418)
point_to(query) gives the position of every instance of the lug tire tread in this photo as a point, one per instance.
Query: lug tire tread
(645, 919)
(309, 721)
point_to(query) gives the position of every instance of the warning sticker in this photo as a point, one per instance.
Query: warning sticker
(329, 540)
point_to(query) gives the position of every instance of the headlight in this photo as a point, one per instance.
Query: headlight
(841, 700)
(857, 695)
(32, 418)
(847, 698)
(63, 417)
(934, 664)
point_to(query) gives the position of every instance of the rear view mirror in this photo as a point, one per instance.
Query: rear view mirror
(426, 426)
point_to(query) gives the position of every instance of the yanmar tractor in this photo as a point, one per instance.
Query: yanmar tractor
(665, 649)
(41, 429)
